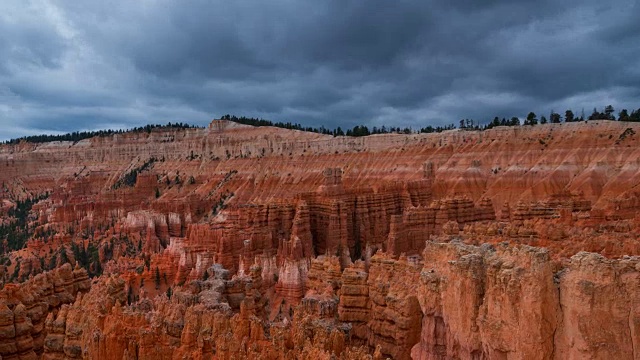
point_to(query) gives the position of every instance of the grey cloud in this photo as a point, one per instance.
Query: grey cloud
(28, 44)
(79, 65)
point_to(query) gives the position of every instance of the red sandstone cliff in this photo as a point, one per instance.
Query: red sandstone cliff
(235, 241)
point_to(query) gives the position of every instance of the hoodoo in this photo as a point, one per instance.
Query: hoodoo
(234, 241)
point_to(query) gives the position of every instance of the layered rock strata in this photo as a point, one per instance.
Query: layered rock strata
(234, 241)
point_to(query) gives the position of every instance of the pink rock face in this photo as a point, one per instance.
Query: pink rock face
(24, 308)
(603, 290)
(477, 300)
(242, 242)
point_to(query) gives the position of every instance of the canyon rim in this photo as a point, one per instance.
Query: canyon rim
(234, 241)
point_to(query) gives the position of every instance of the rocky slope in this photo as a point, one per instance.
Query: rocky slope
(235, 241)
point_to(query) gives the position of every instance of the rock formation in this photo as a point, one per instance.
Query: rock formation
(242, 242)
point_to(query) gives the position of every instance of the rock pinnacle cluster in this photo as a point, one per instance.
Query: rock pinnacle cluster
(234, 241)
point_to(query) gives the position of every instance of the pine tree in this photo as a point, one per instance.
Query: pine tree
(568, 116)
(157, 278)
(623, 115)
(531, 119)
(129, 296)
(608, 110)
(63, 256)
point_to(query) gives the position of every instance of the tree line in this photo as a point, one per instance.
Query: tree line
(356, 131)
(81, 135)
(469, 124)
(608, 113)
(15, 233)
(88, 258)
(130, 178)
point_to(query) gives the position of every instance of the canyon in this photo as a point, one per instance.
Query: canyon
(234, 241)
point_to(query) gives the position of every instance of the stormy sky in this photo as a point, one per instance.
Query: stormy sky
(83, 65)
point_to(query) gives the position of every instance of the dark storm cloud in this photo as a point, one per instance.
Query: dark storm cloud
(69, 65)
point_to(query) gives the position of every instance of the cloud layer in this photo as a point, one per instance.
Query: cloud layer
(74, 65)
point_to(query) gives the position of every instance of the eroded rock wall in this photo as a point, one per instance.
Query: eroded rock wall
(235, 241)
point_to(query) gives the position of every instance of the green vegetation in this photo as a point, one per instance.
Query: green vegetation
(16, 271)
(356, 131)
(81, 135)
(360, 130)
(64, 258)
(468, 124)
(156, 278)
(129, 179)
(88, 258)
(220, 205)
(53, 262)
(14, 235)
